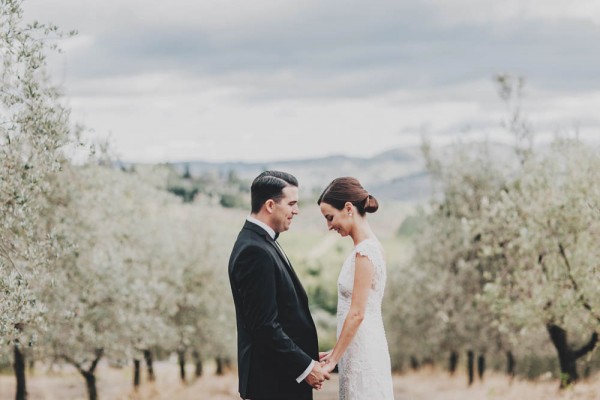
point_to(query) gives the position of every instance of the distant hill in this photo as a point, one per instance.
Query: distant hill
(383, 175)
(397, 174)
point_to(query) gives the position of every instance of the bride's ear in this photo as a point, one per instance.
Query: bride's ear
(348, 207)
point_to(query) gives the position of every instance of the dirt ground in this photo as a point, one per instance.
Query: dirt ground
(115, 384)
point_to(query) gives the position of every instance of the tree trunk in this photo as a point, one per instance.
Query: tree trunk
(19, 367)
(470, 366)
(481, 366)
(149, 365)
(414, 363)
(568, 366)
(181, 356)
(510, 364)
(136, 373)
(90, 382)
(198, 362)
(453, 363)
(568, 357)
(88, 375)
(219, 366)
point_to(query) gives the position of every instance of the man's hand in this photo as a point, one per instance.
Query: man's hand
(317, 376)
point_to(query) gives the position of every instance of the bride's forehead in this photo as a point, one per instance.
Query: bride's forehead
(327, 208)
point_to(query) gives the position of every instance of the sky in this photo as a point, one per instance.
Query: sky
(261, 80)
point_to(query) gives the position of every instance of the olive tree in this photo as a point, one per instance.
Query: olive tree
(34, 131)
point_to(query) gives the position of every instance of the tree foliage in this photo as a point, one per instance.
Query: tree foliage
(34, 130)
(507, 248)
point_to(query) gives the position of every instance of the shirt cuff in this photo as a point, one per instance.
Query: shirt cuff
(306, 372)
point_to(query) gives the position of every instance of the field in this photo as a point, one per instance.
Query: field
(427, 384)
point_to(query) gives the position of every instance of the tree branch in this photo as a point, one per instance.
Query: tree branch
(586, 348)
(582, 298)
(72, 362)
(99, 353)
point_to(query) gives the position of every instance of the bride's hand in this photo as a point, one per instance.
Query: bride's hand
(324, 356)
(328, 366)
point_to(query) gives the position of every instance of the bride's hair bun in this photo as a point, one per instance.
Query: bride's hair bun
(371, 204)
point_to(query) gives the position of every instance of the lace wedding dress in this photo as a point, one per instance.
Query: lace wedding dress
(364, 369)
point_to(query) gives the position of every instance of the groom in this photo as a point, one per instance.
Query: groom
(277, 338)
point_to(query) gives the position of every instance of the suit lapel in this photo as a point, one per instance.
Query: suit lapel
(281, 253)
(288, 265)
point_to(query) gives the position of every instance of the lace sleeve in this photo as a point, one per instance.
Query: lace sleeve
(370, 248)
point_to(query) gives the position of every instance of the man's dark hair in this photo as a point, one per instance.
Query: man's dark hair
(269, 185)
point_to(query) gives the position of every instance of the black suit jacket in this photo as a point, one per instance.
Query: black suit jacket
(277, 338)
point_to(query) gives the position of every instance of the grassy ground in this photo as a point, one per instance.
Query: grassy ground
(115, 384)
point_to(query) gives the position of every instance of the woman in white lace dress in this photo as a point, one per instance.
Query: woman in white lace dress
(361, 351)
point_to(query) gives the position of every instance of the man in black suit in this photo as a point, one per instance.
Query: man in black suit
(277, 338)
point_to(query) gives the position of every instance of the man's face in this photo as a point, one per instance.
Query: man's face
(285, 209)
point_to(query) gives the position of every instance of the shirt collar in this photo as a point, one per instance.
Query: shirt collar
(266, 227)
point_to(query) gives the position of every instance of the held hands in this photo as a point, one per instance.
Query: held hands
(317, 376)
(327, 363)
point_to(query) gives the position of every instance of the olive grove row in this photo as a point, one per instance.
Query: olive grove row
(94, 262)
(507, 255)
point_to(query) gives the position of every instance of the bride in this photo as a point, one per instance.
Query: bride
(361, 351)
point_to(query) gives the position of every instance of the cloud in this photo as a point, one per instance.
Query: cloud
(339, 48)
(498, 13)
(178, 78)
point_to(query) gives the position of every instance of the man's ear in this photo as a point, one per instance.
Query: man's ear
(269, 204)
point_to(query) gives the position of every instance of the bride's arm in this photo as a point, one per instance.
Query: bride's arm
(363, 277)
